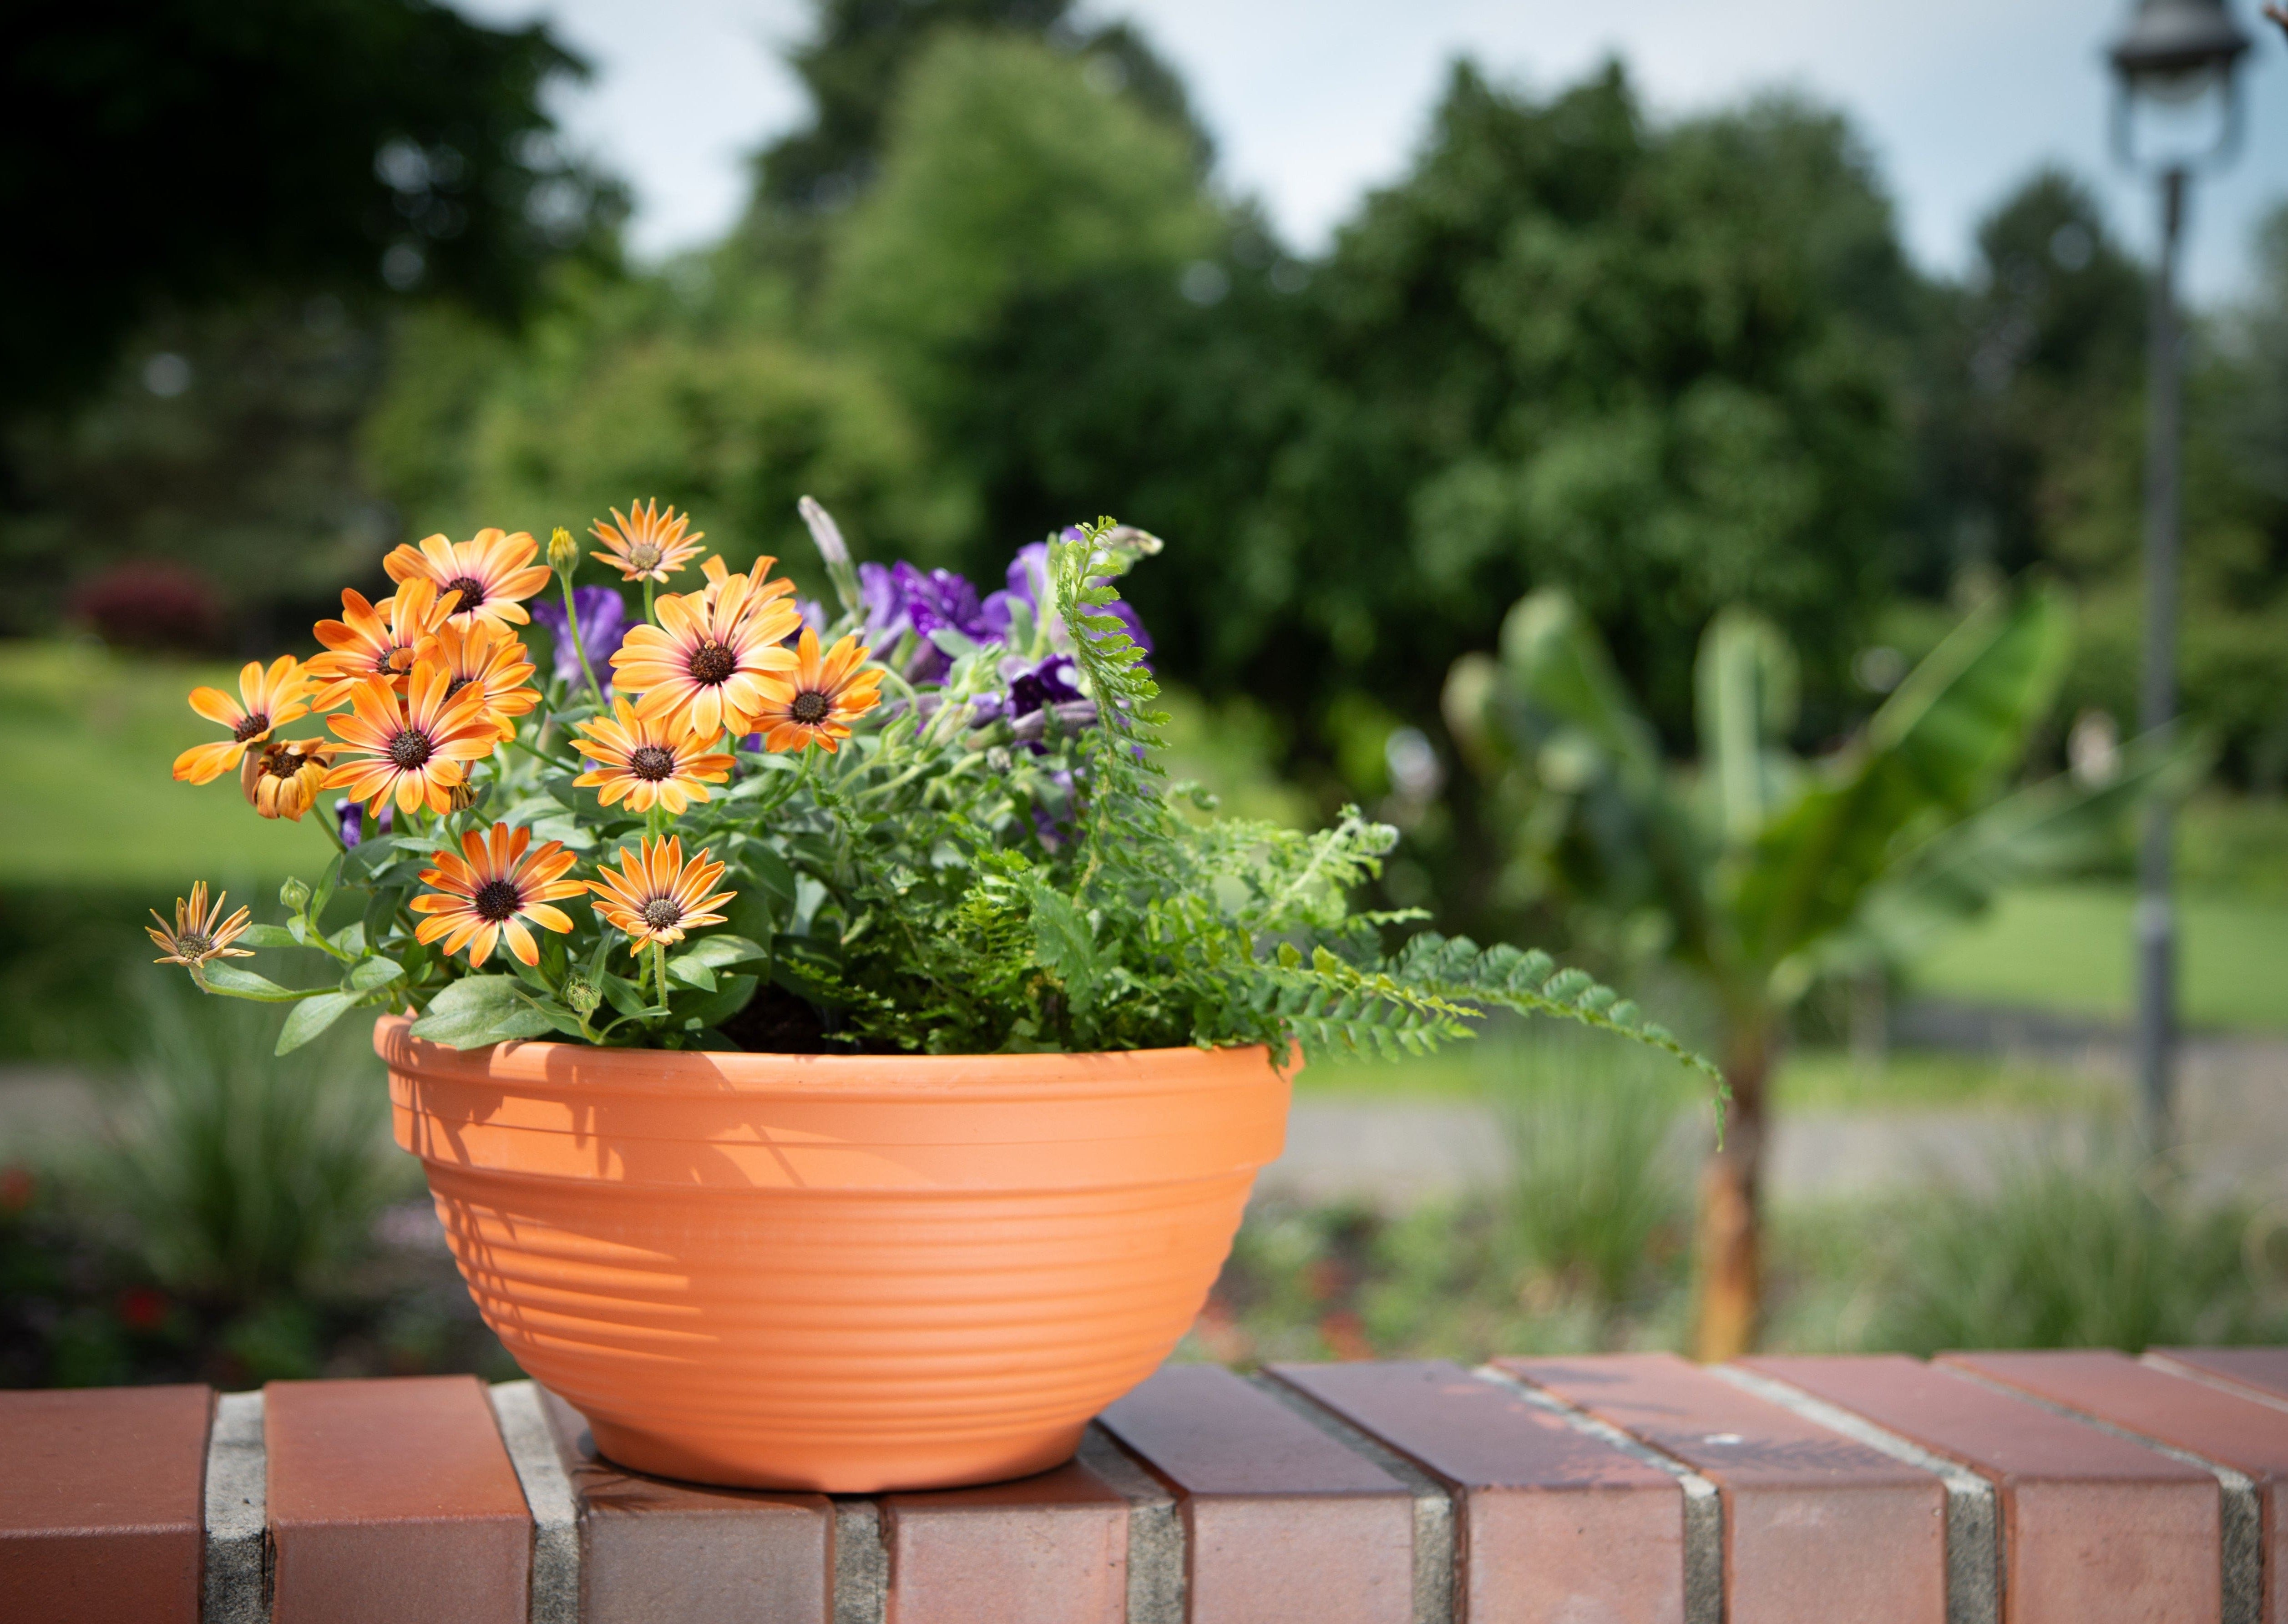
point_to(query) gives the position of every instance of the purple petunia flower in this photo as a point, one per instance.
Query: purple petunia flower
(603, 624)
(352, 817)
(900, 599)
(1029, 583)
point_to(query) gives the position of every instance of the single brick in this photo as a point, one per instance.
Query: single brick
(2262, 1370)
(653, 1549)
(1544, 1506)
(1283, 1523)
(102, 1515)
(1051, 1549)
(392, 1502)
(2095, 1527)
(1818, 1527)
(2249, 1437)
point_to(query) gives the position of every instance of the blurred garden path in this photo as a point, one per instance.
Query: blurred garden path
(2233, 1109)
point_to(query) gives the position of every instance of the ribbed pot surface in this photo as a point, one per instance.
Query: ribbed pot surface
(847, 1273)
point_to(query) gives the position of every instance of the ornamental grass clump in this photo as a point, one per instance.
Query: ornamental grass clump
(922, 819)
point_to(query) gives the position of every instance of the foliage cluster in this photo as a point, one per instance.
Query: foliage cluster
(991, 861)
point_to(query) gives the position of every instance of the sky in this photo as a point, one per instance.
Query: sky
(1312, 103)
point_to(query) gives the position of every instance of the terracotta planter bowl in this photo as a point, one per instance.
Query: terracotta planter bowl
(831, 1272)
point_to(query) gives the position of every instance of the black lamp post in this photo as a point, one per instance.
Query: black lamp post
(2174, 62)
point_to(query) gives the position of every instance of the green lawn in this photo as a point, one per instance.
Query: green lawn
(89, 737)
(2067, 947)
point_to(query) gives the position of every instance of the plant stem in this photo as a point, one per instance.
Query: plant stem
(659, 970)
(572, 631)
(650, 587)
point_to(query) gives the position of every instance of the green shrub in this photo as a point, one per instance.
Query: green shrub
(247, 1176)
(1597, 1200)
(2067, 1252)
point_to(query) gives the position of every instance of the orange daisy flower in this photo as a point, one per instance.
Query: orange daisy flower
(493, 572)
(200, 933)
(816, 702)
(656, 896)
(645, 543)
(282, 782)
(482, 654)
(413, 746)
(487, 892)
(702, 665)
(374, 640)
(757, 573)
(647, 761)
(271, 699)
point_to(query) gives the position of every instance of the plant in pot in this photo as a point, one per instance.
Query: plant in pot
(838, 1056)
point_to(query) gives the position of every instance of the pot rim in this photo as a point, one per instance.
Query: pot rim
(553, 1065)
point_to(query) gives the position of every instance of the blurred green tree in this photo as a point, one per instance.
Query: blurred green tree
(1761, 871)
(854, 63)
(187, 153)
(699, 393)
(1660, 367)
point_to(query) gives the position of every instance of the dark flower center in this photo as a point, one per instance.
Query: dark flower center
(496, 900)
(278, 762)
(644, 554)
(471, 589)
(712, 662)
(249, 727)
(393, 659)
(661, 912)
(409, 750)
(810, 707)
(653, 763)
(192, 944)
(456, 686)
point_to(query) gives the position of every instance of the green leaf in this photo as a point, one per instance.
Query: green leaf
(622, 993)
(313, 1016)
(691, 974)
(716, 952)
(477, 1011)
(1065, 945)
(381, 912)
(713, 1008)
(267, 935)
(228, 979)
(324, 892)
(367, 974)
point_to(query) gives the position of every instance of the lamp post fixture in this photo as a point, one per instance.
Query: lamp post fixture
(2175, 61)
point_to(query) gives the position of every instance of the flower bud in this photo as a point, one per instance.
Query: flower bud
(563, 552)
(295, 895)
(581, 997)
(465, 795)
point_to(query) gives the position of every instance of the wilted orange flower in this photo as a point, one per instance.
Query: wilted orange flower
(648, 761)
(656, 896)
(374, 640)
(284, 779)
(645, 543)
(487, 892)
(493, 572)
(816, 702)
(271, 699)
(412, 746)
(200, 933)
(484, 654)
(703, 662)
